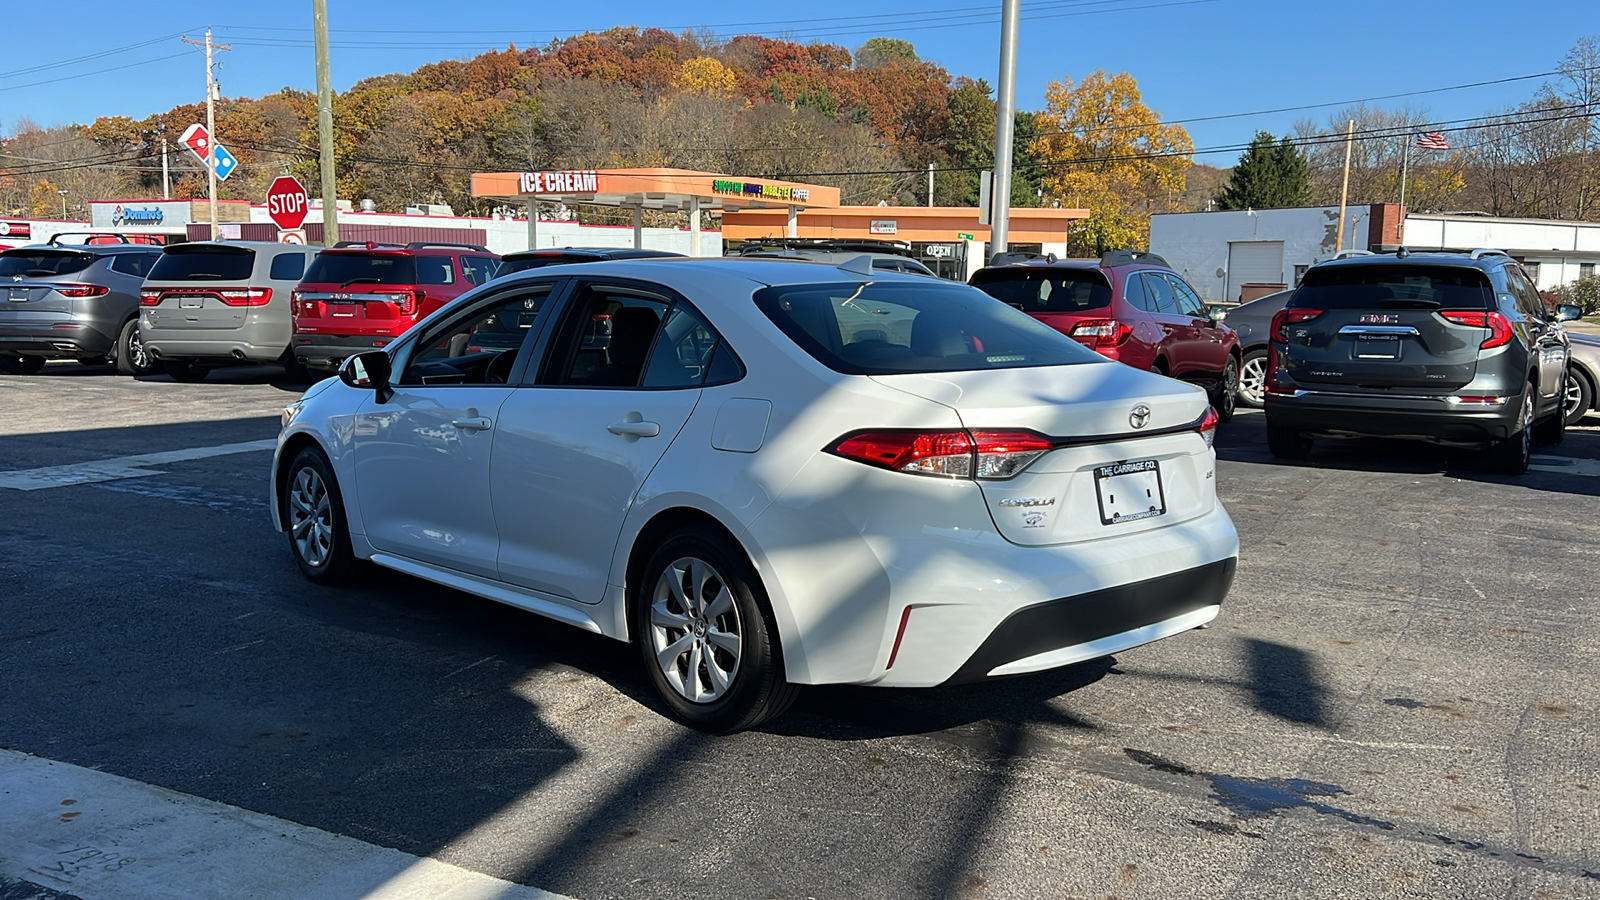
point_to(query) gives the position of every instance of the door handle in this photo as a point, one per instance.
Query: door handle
(636, 429)
(473, 423)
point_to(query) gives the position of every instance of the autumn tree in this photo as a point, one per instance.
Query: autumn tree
(705, 75)
(882, 51)
(1101, 148)
(1270, 175)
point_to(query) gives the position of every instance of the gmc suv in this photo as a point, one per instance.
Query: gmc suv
(355, 298)
(1128, 306)
(78, 302)
(1453, 348)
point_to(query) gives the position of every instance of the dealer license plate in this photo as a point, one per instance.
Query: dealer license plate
(1368, 347)
(18, 295)
(1130, 491)
(191, 302)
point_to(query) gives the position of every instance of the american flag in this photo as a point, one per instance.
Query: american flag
(1432, 140)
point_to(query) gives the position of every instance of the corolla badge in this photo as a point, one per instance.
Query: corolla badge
(1140, 416)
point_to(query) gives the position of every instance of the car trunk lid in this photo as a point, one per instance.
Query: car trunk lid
(29, 279)
(202, 287)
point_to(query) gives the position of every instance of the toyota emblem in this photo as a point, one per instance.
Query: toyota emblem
(1140, 417)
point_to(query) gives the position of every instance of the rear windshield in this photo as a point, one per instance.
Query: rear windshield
(42, 263)
(867, 328)
(215, 265)
(524, 263)
(345, 269)
(1038, 290)
(1394, 287)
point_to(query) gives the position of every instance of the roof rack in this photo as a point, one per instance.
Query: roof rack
(1351, 254)
(1019, 257)
(1481, 252)
(835, 245)
(437, 245)
(1126, 257)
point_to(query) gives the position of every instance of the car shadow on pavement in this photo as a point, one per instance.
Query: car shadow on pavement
(1285, 682)
(1571, 467)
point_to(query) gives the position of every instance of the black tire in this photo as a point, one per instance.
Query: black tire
(295, 371)
(130, 355)
(755, 690)
(1287, 443)
(1226, 392)
(1512, 455)
(187, 371)
(1580, 397)
(313, 518)
(17, 364)
(1552, 429)
(1252, 380)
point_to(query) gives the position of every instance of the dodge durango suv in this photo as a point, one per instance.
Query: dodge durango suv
(1453, 348)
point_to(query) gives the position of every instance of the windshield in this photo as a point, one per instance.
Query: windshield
(1379, 287)
(347, 269)
(1040, 290)
(870, 328)
(228, 265)
(42, 263)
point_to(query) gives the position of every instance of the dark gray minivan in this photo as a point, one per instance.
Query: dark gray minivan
(73, 302)
(1454, 348)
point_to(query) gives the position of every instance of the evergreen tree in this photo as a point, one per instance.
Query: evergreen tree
(1270, 175)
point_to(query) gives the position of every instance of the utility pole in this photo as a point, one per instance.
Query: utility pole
(1405, 164)
(1005, 113)
(930, 185)
(1344, 192)
(166, 180)
(211, 125)
(330, 186)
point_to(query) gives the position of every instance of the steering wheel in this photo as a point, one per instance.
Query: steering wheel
(499, 369)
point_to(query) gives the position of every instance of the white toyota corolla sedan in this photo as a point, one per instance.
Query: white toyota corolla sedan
(767, 474)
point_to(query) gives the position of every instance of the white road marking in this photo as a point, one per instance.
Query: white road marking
(103, 837)
(118, 467)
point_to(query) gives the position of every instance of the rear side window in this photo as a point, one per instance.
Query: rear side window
(288, 267)
(479, 269)
(1393, 287)
(135, 264)
(889, 329)
(42, 263)
(436, 270)
(345, 269)
(1037, 290)
(232, 264)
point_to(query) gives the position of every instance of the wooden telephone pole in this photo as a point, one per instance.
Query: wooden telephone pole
(330, 187)
(211, 124)
(1344, 192)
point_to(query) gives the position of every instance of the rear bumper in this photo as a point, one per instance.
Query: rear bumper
(54, 343)
(212, 348)
(1432, 418)
(329, 351)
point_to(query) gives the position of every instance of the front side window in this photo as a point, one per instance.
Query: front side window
(1189, 303)
(868, 328)
(1041, 290)
(480, 347)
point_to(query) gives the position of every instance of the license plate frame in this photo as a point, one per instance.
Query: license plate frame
(18, 295)
(1133, 476)
(191, 301)
(1378, 347)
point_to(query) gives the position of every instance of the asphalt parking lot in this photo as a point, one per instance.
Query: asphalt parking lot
(1399, 698)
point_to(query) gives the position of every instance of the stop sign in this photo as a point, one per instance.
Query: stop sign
(286, 202)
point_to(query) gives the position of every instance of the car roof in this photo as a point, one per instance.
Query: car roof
(686, 273)
(94, 249)
(596, 252)
(1485, 260)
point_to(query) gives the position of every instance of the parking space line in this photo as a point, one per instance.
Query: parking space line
(137, 466)
(99, 836)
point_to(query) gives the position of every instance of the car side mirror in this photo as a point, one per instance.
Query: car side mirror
(1566, 312)
(369, 371)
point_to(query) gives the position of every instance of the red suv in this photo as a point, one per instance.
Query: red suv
(1128, 306)
(357, 297)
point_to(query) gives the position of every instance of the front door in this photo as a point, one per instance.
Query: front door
(619, 380)
(422, 456)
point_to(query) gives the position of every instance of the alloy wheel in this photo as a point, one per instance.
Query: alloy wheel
(311, 517)
(136, 354)
(695, 630)
(1253, 380)
(1572, 398)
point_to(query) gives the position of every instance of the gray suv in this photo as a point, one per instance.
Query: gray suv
(1454, 348)
(207, 303)
(77, 303)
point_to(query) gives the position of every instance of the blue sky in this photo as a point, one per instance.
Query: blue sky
(1192, 58)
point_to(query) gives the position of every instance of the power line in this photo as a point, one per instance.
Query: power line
(18, 87)
(91, 56)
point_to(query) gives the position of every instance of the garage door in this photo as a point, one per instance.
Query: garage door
(1252, 262)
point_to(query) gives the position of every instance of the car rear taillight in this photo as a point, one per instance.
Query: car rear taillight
(1499, 327)
(1097, 333)
(80, 290)
(149, 297)
(1289, 317)
(246, 296)
(296, 303)
(407, 301)
(1208, 425)
(953, 454)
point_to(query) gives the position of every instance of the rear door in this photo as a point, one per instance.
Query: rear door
(1381, 327)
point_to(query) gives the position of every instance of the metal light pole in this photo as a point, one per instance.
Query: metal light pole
(63, 194)
(330, 187)
(1005, 113)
